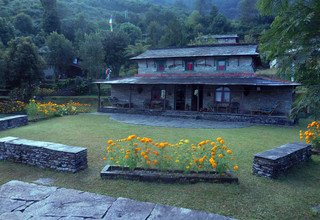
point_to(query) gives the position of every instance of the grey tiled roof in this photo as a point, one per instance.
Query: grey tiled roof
(225, 36)
(200, 80)
(203, 51)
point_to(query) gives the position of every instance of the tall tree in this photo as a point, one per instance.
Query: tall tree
(92, 54)
(134, 32)
(6, 31)
(60, 52)
(115, 44)
(23, 70)
(203, 6)
(154, 33)
(51, 20)
(174, 34)
(23, 23)
(294, 40)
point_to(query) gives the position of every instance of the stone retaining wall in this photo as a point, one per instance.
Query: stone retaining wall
(255, 119)
(13, 121)
(43, 154)
(272, 163)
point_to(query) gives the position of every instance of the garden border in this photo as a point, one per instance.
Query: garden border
(13, 121)
(170, 176)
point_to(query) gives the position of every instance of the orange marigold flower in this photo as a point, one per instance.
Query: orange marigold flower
(145, 157)
(148, 162)
(104, 158)
(155, 162)
(235, 167)
(220, 155)
(196, 160)
(127, 156)
(110, 141)
(229, 151)
(143, 153)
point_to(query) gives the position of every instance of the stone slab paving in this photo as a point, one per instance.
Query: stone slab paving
(24, 201)
(162, 121)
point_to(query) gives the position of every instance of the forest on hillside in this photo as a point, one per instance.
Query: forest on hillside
(53, 33)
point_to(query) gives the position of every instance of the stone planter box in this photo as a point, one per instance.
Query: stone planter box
(13, 122)
(170, 176)
(315, 151)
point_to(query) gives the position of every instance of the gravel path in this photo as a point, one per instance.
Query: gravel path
(161, 121)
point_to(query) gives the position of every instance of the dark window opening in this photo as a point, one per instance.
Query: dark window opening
(155, 93)
(161, 66)
(221, 65)
(189, 65)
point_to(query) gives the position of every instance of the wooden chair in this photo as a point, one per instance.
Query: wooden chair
(266, 110)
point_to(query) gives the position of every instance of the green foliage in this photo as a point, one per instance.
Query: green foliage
(60, 52)
(23, 23)
(6, 31)
(115, 44)
(92, 54)
(294, 40)
(51, 21)
(134, 33)
(23, 69)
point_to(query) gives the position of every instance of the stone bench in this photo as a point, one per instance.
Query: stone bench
(43, 154)
(272, 163)
(13, 121)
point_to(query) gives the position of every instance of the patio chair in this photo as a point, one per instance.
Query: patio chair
(114, 101)
(265, 110)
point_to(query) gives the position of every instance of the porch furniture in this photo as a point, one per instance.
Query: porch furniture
(265, 110)
(114, 101)
(221, 106)
(155, 104)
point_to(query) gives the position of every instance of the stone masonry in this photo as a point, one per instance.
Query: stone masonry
(272, 163)
(43, 154)
(20, 200)
(13, 121)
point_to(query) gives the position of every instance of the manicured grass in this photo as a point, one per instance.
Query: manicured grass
(289, 197)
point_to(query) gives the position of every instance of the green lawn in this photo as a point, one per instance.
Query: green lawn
(289, 197)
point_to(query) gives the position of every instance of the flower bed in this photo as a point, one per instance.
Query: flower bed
(169, 176)
(185, 159)
(38, 110)
(312, 136)
(9, 107)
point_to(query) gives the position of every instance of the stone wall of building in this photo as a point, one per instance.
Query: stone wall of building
(248, 97)
(241, 64)
(277, 161)
(43, 154)
(13, 121)
(254, 119)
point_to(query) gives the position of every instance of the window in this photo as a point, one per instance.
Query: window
(161, 66)
(189, 65)
(221, 65)
(223, 94)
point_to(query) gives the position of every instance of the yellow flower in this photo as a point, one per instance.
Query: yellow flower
(110, 141)
(186, 141)
(104, 158)
(177, 161)
(220, 155)
(235, 167)
(229, 151)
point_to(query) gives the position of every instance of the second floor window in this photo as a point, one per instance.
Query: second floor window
(221, 65)
(161, 65)
(189, 65)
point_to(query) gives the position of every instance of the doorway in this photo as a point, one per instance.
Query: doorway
(197, 97)
(180, 97)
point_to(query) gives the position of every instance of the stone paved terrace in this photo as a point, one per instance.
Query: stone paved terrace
(20, 200)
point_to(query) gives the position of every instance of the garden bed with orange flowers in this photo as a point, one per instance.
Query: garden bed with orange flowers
(168, 176)
(312, 136)
(142, 158)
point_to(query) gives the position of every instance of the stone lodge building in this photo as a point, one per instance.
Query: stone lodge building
(217, 81)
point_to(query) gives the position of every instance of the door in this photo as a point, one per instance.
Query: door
(180, 97)
(197, 97)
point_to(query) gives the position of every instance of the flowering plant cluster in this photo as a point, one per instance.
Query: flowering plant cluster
(312, 135)
(38, 110)
(8, 107)
(206, 155)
